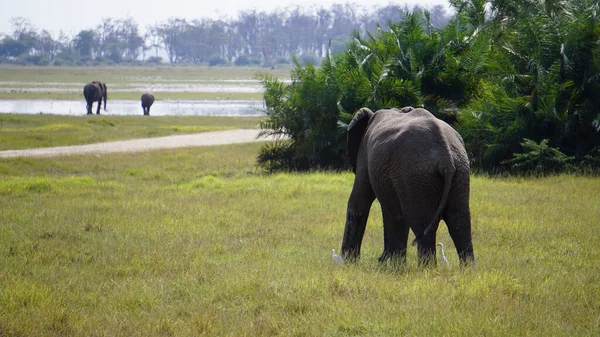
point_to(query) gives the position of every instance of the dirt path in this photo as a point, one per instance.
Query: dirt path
(146, 144)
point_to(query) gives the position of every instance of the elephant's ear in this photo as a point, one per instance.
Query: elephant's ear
(356, 130)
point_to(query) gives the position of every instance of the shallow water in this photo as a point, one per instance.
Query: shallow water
(125, 108)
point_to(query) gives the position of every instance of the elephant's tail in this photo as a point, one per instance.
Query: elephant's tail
(448, 176)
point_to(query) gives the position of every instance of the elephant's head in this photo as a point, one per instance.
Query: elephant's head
(356, 131)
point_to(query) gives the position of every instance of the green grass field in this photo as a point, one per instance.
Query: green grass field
(198, 242)
(19, 131)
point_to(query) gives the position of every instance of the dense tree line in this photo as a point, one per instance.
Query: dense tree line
(253, 37)
(519, 79)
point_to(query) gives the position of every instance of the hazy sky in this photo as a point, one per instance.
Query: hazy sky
(74, 15)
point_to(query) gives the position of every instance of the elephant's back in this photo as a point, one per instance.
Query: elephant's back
(147, 99)
(419, 139)
(90, 90)
(406, 129)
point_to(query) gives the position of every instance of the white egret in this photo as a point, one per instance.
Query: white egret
(336, 257)
(442, 254)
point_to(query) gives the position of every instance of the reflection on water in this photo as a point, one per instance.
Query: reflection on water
(124, 108)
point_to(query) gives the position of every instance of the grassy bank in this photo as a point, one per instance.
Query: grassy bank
(197, 242)
(33, 131)
(127, 74)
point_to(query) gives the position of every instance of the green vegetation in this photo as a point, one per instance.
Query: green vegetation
(499, 71)
(32, 131)
(194, 242)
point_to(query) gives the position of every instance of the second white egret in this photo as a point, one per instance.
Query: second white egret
(443, 254)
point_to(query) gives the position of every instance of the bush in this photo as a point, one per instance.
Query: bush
(277, 156)
(102, 61)
(538, 159)
(216, 61)
(38, 60)
(245, 60)
(154, 60)
(309, 113)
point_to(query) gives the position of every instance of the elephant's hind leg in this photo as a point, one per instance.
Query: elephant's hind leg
(457, 216)
(418, 208)
(426, 250)
(395, 233)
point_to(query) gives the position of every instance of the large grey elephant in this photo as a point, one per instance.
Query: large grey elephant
(95, 92)
(147, 100)
(417, 167)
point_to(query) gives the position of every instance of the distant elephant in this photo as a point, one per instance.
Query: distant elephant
(95, 92)
(147, 100)
(417, 167)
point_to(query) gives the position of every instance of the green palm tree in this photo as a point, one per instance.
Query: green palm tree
(542, 84)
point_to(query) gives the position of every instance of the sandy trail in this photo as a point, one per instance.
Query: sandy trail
(146, 144)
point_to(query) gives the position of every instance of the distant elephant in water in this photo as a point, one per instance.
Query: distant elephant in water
(147, 100)
(95, 92)
(417, 167)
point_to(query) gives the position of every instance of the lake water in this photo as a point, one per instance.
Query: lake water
(125, 108)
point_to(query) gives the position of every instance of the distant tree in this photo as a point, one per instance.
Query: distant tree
(248, 27)
(118, 39)
(67, 55)
(12, 48)
(49, 45)
(267, 36)
(24, 38)
(147, 43)
(22, 28)
(128, 31)
(170, 35)
(84, 43)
